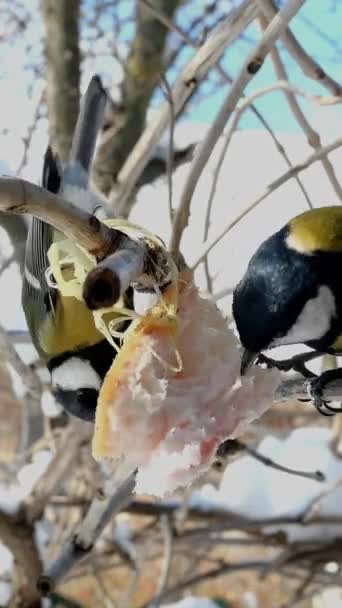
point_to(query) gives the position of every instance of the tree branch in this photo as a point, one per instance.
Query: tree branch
(18, 536)
(309, 66)
(61, 20)
(20, 197)
(142, 71)
(312, 136)
(250, 67)
(107, 502)
(271, 187)
(193, 73)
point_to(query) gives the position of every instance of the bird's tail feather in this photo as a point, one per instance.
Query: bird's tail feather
(88, 124)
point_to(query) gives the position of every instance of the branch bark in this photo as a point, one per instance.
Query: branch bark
(18, 536)
(312, 136)
(143, 70)
(20, 197)
(309, 66)
(271, 187)
(114, 496)
(193, 73)
(250, 67)
(61, 20)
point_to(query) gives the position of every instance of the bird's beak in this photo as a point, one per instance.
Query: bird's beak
(247, 360)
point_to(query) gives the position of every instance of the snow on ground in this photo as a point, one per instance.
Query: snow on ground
(256, 491)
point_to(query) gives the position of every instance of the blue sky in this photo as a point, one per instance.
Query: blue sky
(318, 26)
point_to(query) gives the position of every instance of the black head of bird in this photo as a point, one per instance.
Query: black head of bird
(291, 292)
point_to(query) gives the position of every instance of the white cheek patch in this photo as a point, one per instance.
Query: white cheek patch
(315, 319)
(75, 373)
(297, 245)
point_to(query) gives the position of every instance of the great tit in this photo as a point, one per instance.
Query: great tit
(291, 292)
(62, 328)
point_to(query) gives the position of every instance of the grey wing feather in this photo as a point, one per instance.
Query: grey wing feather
(36, 290)
(38, 298)
(89, 122)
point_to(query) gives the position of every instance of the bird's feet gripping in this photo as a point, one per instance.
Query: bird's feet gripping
(295, 363)
(316, 388)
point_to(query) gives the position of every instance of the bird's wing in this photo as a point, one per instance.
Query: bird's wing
(40, 236)
(90, 119)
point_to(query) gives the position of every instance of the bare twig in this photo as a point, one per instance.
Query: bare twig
(228, 79)
(33, 386)
(18, 535)
(309, 66)
(106, 503)
(250, 67)
(170, 153)
(313, 507)
(228, 447)
(193, 73)
(312, 136)
(270, 188)
(166, 566)
(59, 467)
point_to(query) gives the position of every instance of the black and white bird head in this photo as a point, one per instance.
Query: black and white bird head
(291, 292)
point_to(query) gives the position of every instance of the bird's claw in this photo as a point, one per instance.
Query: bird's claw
(315, 390)
(295, 363)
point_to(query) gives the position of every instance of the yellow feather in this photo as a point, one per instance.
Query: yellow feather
(317, 229)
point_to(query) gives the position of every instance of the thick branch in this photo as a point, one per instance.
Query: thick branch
(111, 278)
(20, 197)
(250, 67)
(61, 20)
(142, 72)
(18, 536)
(193, 73)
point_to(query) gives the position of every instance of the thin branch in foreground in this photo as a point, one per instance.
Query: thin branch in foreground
(72, 439)
(18, 536)
(271, 187)
(33, 388)
(309, 66)
(229, 80)
(249, 69)
(312, 136)
(167, 561)
(108, 501)
(18, 197)
(170, 153)
(229, 447)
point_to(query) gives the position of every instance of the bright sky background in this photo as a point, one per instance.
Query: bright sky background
(251, 152)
